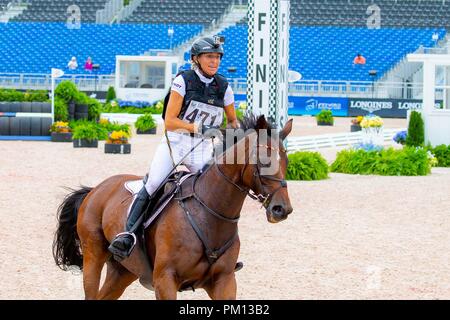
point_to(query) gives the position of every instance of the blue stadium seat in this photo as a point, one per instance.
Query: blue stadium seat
(34, 47)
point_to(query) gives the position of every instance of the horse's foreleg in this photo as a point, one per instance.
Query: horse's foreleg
(223, 287)
(165, 285)
(117, 280)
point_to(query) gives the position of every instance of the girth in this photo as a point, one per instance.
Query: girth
(211, 254)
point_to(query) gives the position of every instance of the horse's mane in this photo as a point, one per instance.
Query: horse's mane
(252, 121)
(248, 124)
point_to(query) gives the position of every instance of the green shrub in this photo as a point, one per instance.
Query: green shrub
(115, 126)
(111, 94)
(408, 161)
(86, 130)
(87, 127)
(11, 95)
(145, 122)
(61, 110)
(442, 154)
(94, 108)
(36, 95)
(67, 91)
(416, 134)
(306, 165)
(325, 116)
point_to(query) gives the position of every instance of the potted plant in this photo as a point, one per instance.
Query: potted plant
(118, 142)
(85, 135)
(372, 130)
(325, 118)
(145, 124)
(356, 124)
(61, 132)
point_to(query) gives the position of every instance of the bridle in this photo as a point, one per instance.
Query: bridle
(212, 254)
(264, 197)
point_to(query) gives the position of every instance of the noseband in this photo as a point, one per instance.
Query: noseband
(264, 197)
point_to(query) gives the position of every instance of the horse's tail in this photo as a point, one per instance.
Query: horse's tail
(66, 244)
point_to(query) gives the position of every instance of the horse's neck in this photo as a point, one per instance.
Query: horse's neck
(219, 193)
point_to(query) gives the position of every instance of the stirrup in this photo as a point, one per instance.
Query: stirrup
(118, 253)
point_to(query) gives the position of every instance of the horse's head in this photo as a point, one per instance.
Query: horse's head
(262, 163)
(269, 170)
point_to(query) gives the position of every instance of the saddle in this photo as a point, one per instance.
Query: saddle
(161, 196)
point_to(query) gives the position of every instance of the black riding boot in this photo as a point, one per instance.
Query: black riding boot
(123, 244)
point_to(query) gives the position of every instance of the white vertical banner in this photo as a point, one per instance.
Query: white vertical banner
(268, 57)
(283, 62)
(259, 58)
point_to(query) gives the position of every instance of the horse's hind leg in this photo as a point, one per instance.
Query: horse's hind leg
(95, 254)
(118, 278)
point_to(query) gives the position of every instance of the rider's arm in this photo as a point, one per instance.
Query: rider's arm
(231, 115)
(172, 122)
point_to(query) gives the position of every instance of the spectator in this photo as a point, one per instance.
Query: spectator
(88, 64)
(359, 59)
(72, 65)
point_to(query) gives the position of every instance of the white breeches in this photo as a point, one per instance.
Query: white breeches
(181, 144)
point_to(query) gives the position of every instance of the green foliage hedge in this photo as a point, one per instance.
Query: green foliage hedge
(408, 161)
(61, 111)
(306, 165)
(442, 154)
(29, 95)
(110, 108)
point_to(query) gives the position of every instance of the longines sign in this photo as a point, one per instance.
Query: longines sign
(391, 108)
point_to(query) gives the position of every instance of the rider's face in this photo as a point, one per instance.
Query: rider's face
(209, 63)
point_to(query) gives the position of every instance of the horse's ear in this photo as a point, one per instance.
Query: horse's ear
(261, 123)
(286, 130)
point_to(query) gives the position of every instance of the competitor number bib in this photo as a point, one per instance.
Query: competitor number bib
(199, 112)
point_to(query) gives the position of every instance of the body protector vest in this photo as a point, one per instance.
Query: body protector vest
(202, 103)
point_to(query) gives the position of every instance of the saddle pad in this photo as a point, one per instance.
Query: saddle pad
(133, 187)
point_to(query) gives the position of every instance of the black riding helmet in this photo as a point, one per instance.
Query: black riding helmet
(208, 45)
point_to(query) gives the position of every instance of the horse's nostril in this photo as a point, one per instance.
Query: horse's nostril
(278, 211)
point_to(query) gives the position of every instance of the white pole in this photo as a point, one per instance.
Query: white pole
(53, 99)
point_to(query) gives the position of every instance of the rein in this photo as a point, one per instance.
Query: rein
(213, 254)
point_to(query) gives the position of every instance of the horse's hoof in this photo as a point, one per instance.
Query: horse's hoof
(238, 266)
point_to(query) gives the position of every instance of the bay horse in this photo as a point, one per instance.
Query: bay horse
(175, 252)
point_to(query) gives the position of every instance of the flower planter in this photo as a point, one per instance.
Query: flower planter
(117, 148)
(320, 123)
(373, 136)
(61, 137)
(83, 143)
(149, 131)
(355, 128)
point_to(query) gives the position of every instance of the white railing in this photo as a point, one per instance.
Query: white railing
(333, 140)
(128, 10)
(397, 90)
(305, 87)
(43, 81)
(107, 14)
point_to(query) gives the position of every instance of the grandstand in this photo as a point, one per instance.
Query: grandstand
(29, 47)
(325, 35)
(56, 10)
(327, 52)
(175, 11)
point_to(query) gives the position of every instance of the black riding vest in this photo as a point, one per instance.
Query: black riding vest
(212, 94)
